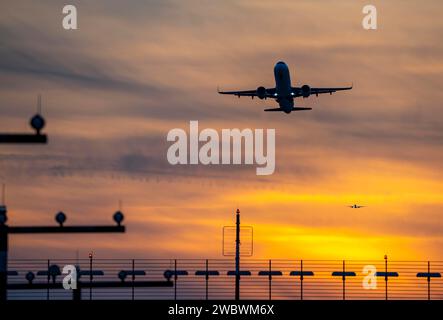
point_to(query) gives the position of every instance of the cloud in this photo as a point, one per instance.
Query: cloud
(63, 66)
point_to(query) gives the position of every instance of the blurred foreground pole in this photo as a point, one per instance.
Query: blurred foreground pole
(3, 257)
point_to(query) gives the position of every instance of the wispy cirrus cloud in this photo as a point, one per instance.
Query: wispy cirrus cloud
(115, 87)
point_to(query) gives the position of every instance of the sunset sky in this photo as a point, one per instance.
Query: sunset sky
(136, 69)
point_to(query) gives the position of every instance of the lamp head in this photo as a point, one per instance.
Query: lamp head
(60, 218)
(122, 275)
(37, 123)
(118, 217)
(30, 276)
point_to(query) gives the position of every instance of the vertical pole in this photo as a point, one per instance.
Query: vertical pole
(3, 261)
(237, 256)
(270, 280)
(301, 279)
(175, 279)
(133, 278)
(76, 293)
(344, 279)
(47, 290)
(90, 276)
(429, 280)
(207, 278)
(3, 248)
(386, 277)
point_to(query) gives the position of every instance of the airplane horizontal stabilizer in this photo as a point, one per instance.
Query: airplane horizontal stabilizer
(293, 109)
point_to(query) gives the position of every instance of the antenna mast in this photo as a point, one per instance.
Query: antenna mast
(39, 104)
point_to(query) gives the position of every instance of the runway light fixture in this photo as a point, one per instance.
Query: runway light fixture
(30, 276)
(37, 123)
(122, 275)
(60, 218)
(118, 217)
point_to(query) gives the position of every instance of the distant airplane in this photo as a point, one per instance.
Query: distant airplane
(354, 206)
(283, 92)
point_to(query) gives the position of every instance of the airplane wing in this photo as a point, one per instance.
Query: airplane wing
(298, 91)
(267, 93)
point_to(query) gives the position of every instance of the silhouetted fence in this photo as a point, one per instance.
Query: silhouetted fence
(215, 279)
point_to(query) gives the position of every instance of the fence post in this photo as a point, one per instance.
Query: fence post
(90, 275)
(175, 279)
(207, 278)
(76, 293)
(47, 289)
(270, 279)
(429, 280)
(344, 281)
(301, 279)
(133, 278)
(386, 277)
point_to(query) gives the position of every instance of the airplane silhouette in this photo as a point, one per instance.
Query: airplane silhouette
(354, 206)
(283, 92)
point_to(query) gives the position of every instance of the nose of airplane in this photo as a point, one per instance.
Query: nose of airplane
(280, 66)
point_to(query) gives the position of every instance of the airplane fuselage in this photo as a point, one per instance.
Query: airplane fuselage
(283, 87)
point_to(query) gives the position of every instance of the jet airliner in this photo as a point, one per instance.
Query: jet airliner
(355, 206)
(283, 92)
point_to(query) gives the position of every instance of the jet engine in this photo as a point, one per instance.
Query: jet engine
(305, 91)
(261, 92)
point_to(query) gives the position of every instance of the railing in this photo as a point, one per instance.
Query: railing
(215, 279)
